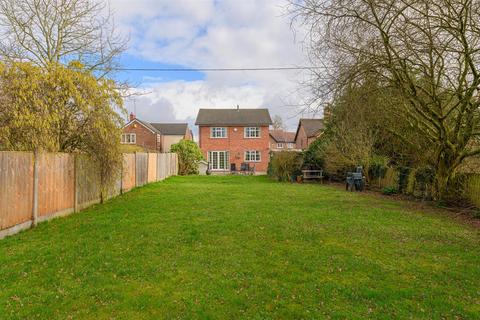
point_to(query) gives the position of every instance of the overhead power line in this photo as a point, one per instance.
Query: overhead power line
(218, 69)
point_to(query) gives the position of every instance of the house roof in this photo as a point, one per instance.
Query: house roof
(167, 129)
(282, 136)
(233, 117)
(171, 129)
(145, 124)
(311, 127)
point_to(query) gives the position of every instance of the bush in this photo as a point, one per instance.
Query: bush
(189, 154)
(389, 190)
(314, 157)
(285, 164)
(378, 166)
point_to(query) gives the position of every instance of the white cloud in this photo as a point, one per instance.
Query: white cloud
(209, 33)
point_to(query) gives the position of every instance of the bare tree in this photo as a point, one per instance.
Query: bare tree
(278, 123)
(60, 31)
(429, 50)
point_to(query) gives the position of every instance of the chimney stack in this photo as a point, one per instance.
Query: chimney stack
(238, 107)
(132, 116)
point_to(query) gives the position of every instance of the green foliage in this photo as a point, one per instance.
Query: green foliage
(188, 156)
(378, 166)
(389, 190)
(217, 248)
(285, 164)
(314, 157)
(61, 109)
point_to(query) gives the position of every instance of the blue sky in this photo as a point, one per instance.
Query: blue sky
(210, 34)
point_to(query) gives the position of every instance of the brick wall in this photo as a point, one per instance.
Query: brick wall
(302, 140)
(236, 144)
(145, 138)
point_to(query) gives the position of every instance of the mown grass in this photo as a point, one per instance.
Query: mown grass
(242, 247)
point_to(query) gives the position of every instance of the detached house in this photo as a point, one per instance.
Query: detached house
(233, 138)
(281, 140)
(157, 137)
(308, 130)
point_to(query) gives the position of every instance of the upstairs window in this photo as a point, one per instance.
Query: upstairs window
(129, 138)
(252, 156)
(218, 132)
(252, 132)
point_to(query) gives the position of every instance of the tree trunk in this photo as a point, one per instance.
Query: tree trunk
(444, 172)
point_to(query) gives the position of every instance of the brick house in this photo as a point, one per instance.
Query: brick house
(281, 140)
(229, 138)
(308, 130)
(156, 137)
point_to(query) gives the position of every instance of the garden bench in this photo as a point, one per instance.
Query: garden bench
(312, 175)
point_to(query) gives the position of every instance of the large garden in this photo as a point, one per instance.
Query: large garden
(243, 247)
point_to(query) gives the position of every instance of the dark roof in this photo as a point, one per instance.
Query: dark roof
(311, 126)
(233, 117)
(171, 129)
(148, 125)
(167, 129)
(282, 136)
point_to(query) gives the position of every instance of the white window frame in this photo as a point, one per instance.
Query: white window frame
(249, 153)
(216, 165)
(124, 139)
(279, 145)
(214, 131)
(247, 132)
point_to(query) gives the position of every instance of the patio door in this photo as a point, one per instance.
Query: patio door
(218, 160)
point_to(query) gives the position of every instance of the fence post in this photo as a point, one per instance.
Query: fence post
(35, 189)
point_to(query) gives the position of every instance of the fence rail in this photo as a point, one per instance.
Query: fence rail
(54, 184)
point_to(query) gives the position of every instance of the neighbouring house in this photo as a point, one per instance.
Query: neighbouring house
(156, 137)
(229, 138)
(281, 140)
(308, 130)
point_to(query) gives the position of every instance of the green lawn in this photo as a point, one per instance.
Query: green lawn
(242, 247)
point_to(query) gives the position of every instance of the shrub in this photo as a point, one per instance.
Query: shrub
(314, 157)
(378, 166)
(389, 190)
(188, 156)
(285, 164)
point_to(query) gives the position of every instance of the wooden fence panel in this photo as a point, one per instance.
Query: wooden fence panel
(159, 166)
(128, 173)
(87, 182)
(16, 188)
(115, 190)
(141, 165)
(152, 167)
(56, 184)
(473, 189)
(169, 164)
(163, 163)
(175, 159)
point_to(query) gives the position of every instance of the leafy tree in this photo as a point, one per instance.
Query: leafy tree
(61, 109)
(188, 156)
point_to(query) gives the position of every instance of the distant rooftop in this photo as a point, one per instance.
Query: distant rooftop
(236, 116)
(282, 136)
(311, 126)
(171, 129)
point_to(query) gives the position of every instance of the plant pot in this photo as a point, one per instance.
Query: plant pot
(299, 179)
